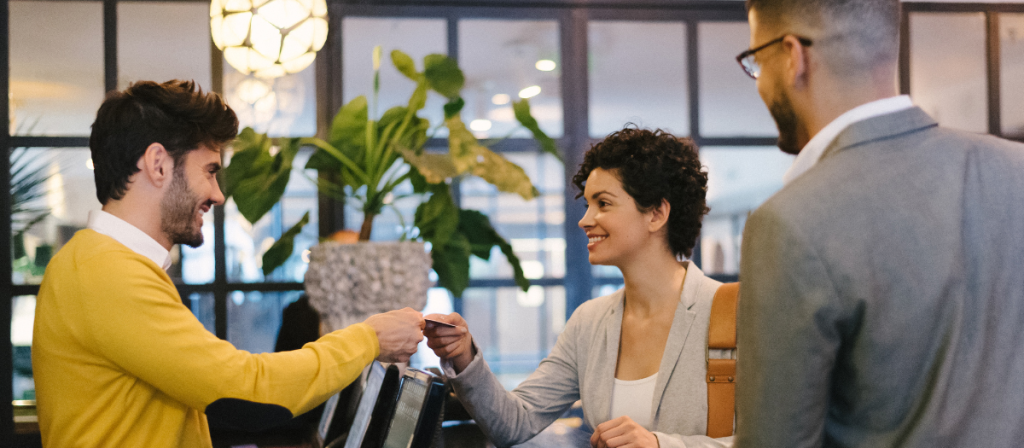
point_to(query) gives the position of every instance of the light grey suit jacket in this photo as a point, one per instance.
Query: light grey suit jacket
(582, 366)
(883, 295)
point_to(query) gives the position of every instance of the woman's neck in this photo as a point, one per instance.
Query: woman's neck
(653, 284)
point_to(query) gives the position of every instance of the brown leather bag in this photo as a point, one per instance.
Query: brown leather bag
(721, 373)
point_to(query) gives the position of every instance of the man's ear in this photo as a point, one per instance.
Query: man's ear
(156, 165)
(796, 61)
(659, 216)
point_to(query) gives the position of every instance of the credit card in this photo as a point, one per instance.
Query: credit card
(438, 323)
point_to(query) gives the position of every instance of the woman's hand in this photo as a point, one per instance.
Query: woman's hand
(454, 344)
(622, 431)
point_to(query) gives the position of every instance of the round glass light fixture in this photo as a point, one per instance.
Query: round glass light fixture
(269, 38)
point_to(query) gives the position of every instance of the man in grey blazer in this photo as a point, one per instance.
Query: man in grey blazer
(883, 286)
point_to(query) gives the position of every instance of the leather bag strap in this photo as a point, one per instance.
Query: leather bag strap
(721, 373)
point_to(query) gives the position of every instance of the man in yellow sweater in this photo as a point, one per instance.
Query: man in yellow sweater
(119, 361)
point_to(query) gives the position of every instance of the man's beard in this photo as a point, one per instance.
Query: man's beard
(177, 213)
(782, 111)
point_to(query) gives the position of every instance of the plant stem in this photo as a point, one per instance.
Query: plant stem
(364, 231)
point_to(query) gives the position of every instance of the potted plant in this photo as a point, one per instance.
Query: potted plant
(366, 158)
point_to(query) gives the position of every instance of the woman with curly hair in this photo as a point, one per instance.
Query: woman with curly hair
(636, 357)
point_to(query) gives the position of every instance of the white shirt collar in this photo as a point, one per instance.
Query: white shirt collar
(129, 235)
(812, 152)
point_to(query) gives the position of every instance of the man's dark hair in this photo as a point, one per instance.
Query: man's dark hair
(655, 165)
(865, 32)
(177, 114)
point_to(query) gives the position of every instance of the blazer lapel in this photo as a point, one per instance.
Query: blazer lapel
(880, 127)
(606, 366)
(677, 335)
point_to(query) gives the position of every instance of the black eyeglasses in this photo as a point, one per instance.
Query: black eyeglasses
(746, 59)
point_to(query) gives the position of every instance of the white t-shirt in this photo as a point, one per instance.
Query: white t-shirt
(634, 399)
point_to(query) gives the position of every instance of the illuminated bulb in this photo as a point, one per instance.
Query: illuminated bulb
(529, 92)
(501, 99)
(90, 165)
(545, 65)
(480, 125)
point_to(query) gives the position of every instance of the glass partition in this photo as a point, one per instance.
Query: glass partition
(1011, 59)
(947, 69)
(729, 103)
(505, 60)
(514, 329)
(415, 37)
(163, 41)
(254, 318)
(739, 180)
(56, 66)
(632, 80)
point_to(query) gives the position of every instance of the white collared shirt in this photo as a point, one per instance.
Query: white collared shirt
(129, 235)
(813, 150)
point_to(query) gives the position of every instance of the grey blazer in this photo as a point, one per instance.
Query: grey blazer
(883, 294)
(582, 366)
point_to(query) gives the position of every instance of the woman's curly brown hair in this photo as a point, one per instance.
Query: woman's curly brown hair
(655, 165)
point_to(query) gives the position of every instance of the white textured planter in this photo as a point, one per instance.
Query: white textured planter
(347, 283)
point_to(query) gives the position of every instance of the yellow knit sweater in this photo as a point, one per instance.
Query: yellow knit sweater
(119, 361)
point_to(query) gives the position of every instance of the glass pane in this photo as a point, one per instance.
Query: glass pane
(729, 103)
(1011, 42)
(279, 107)
(505, 60)
(22, 317)
(739, 180)
(415, 37)
(947, 69)
(634, 80)
(163, 41)
(247, 242)
(254, 318)
(535, 228)
(515, 329)
(63, 194)
(56, 66)
(202, 305)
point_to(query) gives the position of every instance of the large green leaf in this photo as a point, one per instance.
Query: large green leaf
(405, 65)
(482, 237)
(503, 174)
(278, 253)
(451, 262)
(258, 180)
(522, 112)
(443, 75)
(251, 154)
(453, 107)
(438, 217)
(348, 130)
(435, 168)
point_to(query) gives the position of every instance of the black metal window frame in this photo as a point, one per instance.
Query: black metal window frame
(573, 18)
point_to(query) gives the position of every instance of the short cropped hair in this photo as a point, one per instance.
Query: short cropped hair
(866, 31)
(177, 114)
(655, 165)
